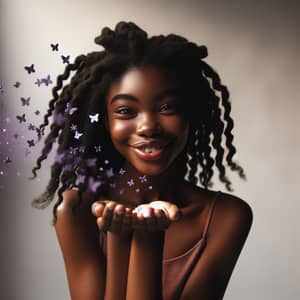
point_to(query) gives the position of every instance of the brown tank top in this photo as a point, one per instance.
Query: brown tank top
(177, 270)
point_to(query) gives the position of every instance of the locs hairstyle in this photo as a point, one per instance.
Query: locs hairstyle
(85, 156)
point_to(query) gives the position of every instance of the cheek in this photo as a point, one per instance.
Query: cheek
(119, 130)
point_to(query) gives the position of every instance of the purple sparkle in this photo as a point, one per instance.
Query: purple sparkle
(143, 178)
(122, 171)
(130, 182)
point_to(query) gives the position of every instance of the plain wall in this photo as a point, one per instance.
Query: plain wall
(254, 45)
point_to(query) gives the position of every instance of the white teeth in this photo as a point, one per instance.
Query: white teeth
(150, 150)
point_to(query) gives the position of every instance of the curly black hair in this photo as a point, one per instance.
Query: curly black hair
(78, 161)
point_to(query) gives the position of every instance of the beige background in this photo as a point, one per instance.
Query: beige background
(254, 45)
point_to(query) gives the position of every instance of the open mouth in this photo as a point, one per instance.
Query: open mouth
(151, 151)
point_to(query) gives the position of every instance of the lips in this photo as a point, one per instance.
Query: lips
(151, 150)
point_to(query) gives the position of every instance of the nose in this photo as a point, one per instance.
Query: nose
(149, 126)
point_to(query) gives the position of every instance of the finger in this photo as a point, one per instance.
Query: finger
(162, 220)
(108, 215)
(174, 212)
(117, 218)
(126, 225)
(97, 209)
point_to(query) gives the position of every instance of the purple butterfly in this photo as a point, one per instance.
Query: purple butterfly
(77, 135)
(59, 158)
(21, 119)
(81, 149)
(110, 173)
(94, 184)
(69, 109)
(25, 101)
(38, 82)
(54, 47)
(122, 171)
(47, 80)
(30, 69)
(91, 162)
(81, 178)
(40, 132)
(1, 88)
(58, 119)
(7, 160)
(31, 127)
(73, 127)
(97, 148)
(65, 59)
(37, 112)
(17, 84)
(30, 143)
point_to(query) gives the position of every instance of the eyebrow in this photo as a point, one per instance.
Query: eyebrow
(167, 93)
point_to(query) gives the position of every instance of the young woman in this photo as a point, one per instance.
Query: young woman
(140, 129)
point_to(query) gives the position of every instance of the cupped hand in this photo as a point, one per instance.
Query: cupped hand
(112, 216)
(155, 216)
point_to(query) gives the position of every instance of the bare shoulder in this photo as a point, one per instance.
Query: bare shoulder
(230, 224)
(231, 211)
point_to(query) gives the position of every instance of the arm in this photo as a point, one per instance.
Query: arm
(78, 238)
(228, 232)
(145, 268)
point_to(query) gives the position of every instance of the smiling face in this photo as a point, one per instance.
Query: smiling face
(145, 119)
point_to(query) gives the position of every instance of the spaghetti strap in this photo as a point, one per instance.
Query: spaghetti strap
(210, 215)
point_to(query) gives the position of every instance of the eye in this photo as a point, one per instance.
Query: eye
(168, 108)
(125, 111)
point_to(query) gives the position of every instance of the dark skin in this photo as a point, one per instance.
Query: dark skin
(144, 106)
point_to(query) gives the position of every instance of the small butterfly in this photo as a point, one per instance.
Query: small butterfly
(91, 162)
(67, 168)
(25, 101)
(65, 59)
(21, 118)
(81, 149)
(31, 127)
(30, 143)
(122, 171)
(37, 112)
(40, 132)
(47, 80)
(38, 82)
(54, 47)
(7, 160)
(73, 150)
(81, 179)
(94, 184)
(30, 69)
(70, 110)
(17, 84)
(73, 127)
(110, 173)
(97, 148)
(77, 135)
(59, 158)
(1, 88)
(94, 118)
(58, 119)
